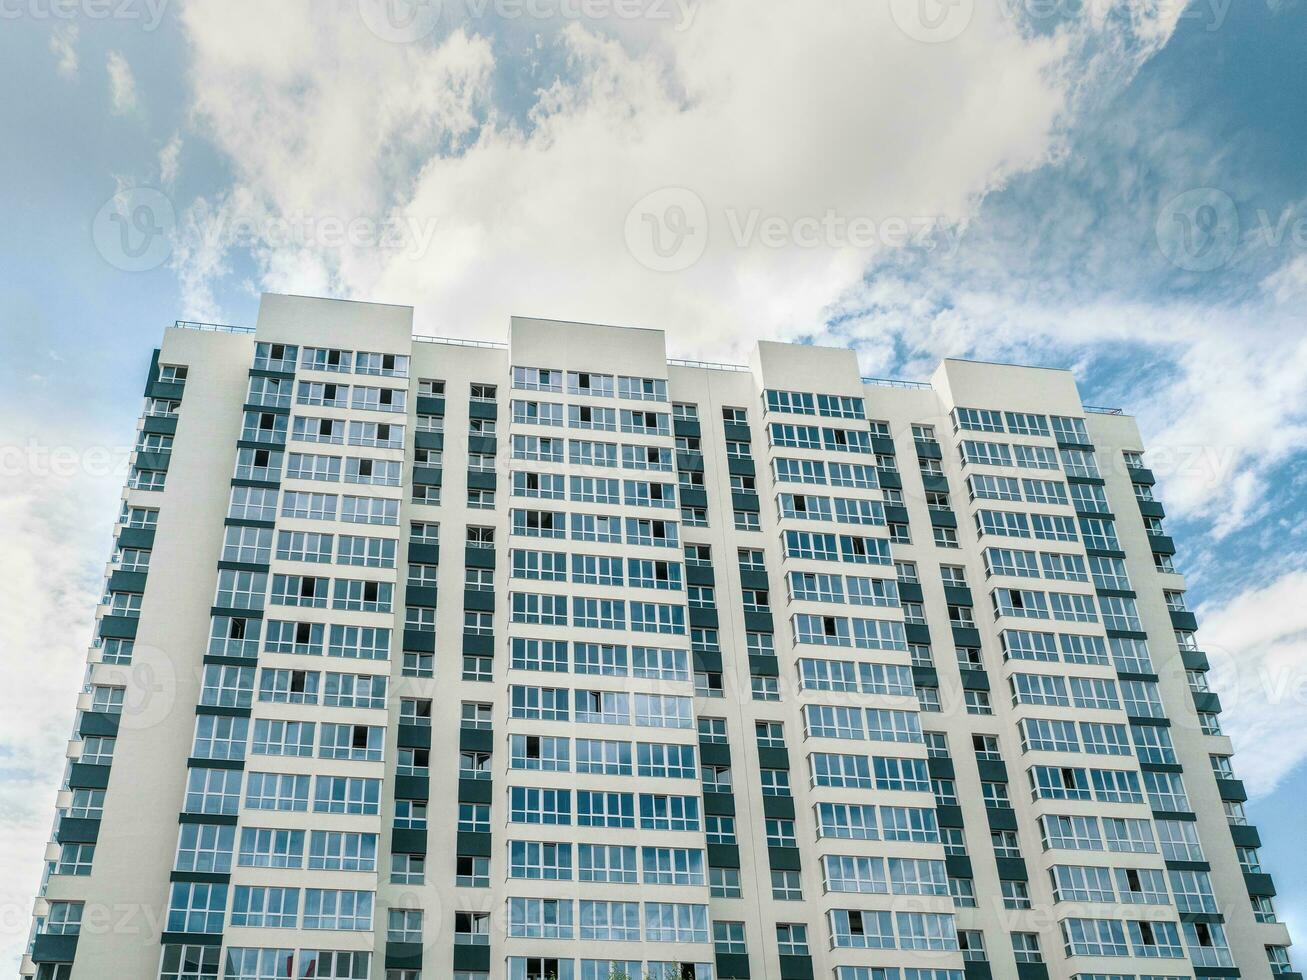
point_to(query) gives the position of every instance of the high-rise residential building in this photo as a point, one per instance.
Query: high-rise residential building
(563, 659)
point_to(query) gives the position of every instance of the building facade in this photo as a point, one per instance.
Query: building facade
(561, 659)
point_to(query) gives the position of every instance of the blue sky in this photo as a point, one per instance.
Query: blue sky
(1112, 187)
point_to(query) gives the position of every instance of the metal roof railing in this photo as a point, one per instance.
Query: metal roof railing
(895, 383)
(706, 365)
(1100, 410)
(210, 327)
(457, 342)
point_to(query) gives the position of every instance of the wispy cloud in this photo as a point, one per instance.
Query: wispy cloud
(122, 83)
(63, 43)
(170, 160)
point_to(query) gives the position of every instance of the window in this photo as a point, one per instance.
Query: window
(1278, 957)
(63, 919)
(1263, 909)
(205, 848)
(162, 407)
(1016, 895)
(340, 794)
(196, 907)
(259, 906)
(216, 791)
(995, 795)
(1025, 947)
(712, 730)
(216, 737)
(724, 882)
(599, 386)
(268, 848)
(87, 804)
(470, 929)
(76, 859)
(945, 537)
(405, 924)
(684, 411)
(786, 886)
(474, 818)
(472, 872)
(928, 698)
(728, 937)
(780, 833)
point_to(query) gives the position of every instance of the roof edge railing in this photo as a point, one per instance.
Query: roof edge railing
(896, 383)
(458, 342)
(673, 361)
(210, 327)
(707, 365)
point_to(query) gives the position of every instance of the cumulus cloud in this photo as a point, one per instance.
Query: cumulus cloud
(1257, 643)
(765, 138)
(122, 83)
(757, 110)
(784, 158)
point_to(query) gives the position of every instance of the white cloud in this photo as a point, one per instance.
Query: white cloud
(63, 43)
(170, 159)
(122, 83)
(1227, 411)
(1257, 643)
(755, 106)
(762, 111)
(1064, 267)
(56, 504)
